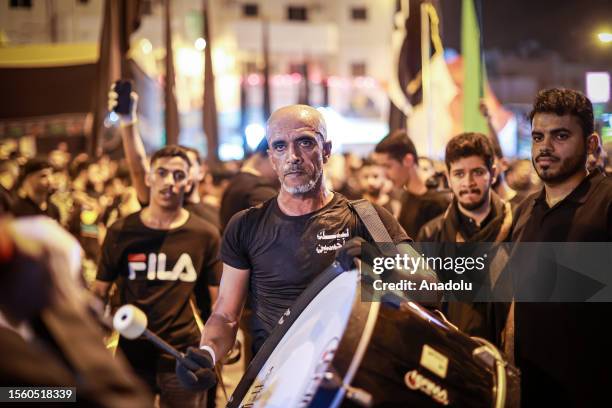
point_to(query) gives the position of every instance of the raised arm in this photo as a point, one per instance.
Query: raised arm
(133, 147)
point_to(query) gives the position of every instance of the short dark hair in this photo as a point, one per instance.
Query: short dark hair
(561, 102)
(171, 151)
(220, 173)
(469, 144)
(33, 165)
(194, 151)
(397, 144)
(367, 162)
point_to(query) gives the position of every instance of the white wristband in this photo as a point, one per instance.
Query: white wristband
(211, 352)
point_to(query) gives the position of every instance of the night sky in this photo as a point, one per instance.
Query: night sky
(565, 26)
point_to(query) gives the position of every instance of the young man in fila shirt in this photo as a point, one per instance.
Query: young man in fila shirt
(164, 257)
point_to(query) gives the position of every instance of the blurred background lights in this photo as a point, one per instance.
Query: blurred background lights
(200, 44)
(146, 46)
(254, 132)
(189, 62)
(598, 86)
(605, 37)
(230, 151)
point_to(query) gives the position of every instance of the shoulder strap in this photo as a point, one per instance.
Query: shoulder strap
(374, 225)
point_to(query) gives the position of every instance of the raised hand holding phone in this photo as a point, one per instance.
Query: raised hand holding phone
(122, 100)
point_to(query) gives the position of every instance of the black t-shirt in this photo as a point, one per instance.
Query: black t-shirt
(244, 190)
(417, 210)
(205, 211)
(562, 348)
(24, 207)
(467, 225)
(285, 253)
(161, 271)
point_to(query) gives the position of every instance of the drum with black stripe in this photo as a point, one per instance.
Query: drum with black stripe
(331, 349)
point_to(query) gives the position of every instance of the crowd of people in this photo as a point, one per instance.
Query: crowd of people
(206, 250)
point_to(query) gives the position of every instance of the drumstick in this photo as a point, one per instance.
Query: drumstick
(131, 323)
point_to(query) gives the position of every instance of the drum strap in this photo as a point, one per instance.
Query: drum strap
(372, 222)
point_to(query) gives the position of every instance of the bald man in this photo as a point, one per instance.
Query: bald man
(271, 252)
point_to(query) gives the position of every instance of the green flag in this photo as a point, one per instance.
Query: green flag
(473, 70)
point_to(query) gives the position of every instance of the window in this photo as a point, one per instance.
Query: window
(358, 69)
(359, 13)
(20, 3)
(250, 10)
(297, 13)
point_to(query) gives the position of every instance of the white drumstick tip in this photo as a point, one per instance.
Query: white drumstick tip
(130, 321)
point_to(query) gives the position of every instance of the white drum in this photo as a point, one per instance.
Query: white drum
(331, 349)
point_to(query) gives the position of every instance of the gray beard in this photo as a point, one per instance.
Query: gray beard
(303, 188)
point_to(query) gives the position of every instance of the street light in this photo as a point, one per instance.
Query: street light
(605, 37)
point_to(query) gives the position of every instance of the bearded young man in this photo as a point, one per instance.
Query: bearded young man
(561, 349)
(476, 214)
(271, 252)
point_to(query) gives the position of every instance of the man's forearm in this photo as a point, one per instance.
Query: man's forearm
(136, 158)
(219, 334)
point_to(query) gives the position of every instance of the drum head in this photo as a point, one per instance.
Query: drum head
(288, 369)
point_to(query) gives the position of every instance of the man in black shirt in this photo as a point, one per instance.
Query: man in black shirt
(271, 252)
(194, 202)
(251, 186)
(164, 256)
(397, 154)
(561, 348)
(136, 158)
(34, 190)
(477, 214)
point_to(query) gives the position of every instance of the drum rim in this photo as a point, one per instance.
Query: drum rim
(281, 328)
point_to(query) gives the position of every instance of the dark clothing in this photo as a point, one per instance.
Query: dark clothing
(24, 207)
(468, 226)
(6, 200)
(83, 224)
(161, 271)
(419, 209)
(67, 351)
(518, 199)
(205, 211)
(561, 348)
(244, 190)
(349, 192)
(482, 319)
(285, 253)
(454, 226)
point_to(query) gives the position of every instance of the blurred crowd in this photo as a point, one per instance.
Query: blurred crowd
(87, 194)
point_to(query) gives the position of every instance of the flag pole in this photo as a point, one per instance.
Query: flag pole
(171, 115)
(426, 76)
(209, 108)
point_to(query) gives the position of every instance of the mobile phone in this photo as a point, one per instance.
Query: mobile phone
(123, 87)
